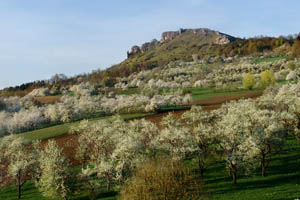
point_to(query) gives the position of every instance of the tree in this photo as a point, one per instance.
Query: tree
(232, 132)
(201, 125)
(161, 178)
(249, 81)
(143, 132)
(267, 133)
(88, 176)
(267, 78)
(57, 78)
(175, 139)
(22, 161)
(54, 177)
(248, 134)
(291, 76)
(96, 146)
(287, 102)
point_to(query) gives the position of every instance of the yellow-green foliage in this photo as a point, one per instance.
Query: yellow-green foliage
(249, 81)
(267, 78)
(161, 179)
(292, 66)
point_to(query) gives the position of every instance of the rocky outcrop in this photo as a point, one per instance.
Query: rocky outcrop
(221, 38)
(134, 50)
(149, 45)
(145, 47)
(201, 33)
(167, 36)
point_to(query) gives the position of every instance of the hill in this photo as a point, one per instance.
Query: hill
(182, 45)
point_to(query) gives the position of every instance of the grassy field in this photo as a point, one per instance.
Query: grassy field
(202, 93)
(45, 133)
(270, 59)
(282, 181)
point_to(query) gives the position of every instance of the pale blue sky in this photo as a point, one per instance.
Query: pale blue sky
(39, 38)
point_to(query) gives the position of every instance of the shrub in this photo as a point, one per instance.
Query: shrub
(249, 81)
(267, 78)
(292, 66)
(161, 179)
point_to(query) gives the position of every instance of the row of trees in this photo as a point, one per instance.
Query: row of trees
(24, 114)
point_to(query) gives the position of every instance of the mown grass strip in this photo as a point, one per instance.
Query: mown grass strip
(53, 131)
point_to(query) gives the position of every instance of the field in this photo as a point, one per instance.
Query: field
(281, 181)
(270, 59)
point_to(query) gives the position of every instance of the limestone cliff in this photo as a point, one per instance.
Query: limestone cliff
(212, 37)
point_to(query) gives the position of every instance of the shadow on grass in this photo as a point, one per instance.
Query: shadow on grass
(107, 194)
(281, 181)
(101, 195)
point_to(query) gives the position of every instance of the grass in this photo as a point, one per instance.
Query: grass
(30, 192)
(270, 59)
(130, 91)
(46, 133)
(208, 95)
(282, 181)
(202, 93)
(172, 108)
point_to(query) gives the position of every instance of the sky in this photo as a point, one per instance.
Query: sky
(41, 38)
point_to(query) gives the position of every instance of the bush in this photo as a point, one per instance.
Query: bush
(249, 81)
(292, 66)
(161, 179)
(267, 78)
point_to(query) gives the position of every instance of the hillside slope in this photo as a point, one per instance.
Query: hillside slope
(174, 45)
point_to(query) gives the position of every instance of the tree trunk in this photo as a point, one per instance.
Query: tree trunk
(234, 177)
(229, 171)
(263, 166)
(201, 168)
(107, 183)
(263, 171)
(19, 185)
(298, 139)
